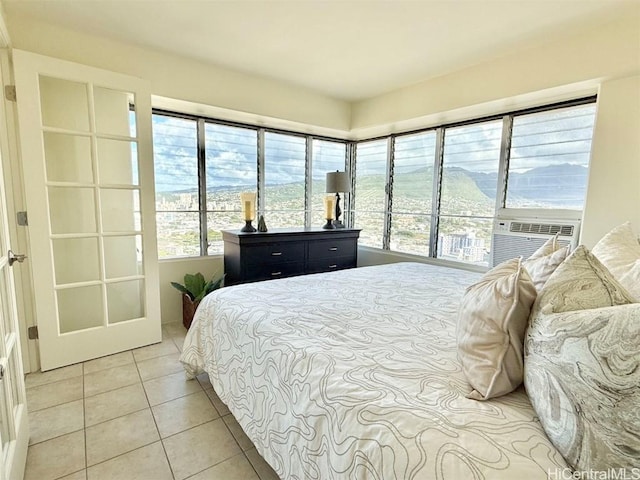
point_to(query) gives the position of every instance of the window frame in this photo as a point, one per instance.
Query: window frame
(438, 162)
(201, 121)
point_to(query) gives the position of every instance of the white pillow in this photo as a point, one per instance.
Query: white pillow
(492, 321)
(582, 368)
(619, 251)
(545, 260)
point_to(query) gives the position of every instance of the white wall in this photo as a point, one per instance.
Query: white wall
(178, 77)
(613, 195)
(559, 69)
(174, 271)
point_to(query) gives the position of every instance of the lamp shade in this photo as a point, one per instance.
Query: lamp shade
(338, 182)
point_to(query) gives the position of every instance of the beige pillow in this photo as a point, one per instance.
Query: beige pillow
(545, 260)
(619, 251)
(581, 283)
(582, 368)
(491, 325)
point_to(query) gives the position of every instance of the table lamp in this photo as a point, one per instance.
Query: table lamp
(338, 182)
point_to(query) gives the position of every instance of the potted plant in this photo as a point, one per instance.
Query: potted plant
(195, 288)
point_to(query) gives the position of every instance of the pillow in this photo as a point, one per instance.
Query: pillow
(581, 282)
(491, 325)
(582, 365)
(545, 260)
(619, 251)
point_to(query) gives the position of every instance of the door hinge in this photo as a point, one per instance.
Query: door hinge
(22, 219)
(32, 332)
(10, 92)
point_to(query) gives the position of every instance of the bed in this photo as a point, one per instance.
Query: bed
(354, 374)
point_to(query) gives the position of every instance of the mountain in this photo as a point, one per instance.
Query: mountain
(562, 185)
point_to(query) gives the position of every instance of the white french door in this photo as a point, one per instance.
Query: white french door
(14, 430)
(85, 137)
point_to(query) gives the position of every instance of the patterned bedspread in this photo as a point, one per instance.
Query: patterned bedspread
(354, 375)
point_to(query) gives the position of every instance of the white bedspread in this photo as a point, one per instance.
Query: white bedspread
(354, 374)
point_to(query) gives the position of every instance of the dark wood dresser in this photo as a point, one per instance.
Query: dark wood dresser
(278, 253)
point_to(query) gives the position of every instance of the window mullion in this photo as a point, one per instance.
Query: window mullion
(386, 232)
(202, 187)
(503, 168)
(261, 177)
(350, 166)
(436, 193)
(308, 182)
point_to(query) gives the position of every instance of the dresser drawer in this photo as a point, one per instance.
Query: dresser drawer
(273, 253)
(268, 272)
(330, 264)
(279, 253)
(331, 248)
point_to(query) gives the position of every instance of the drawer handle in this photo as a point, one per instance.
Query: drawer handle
(276, 254)
(333, 249)
(275, 274)
(333, 266)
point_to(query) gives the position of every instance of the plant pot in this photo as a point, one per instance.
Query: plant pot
(188, 310)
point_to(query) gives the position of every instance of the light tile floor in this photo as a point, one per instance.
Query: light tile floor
(133, 416)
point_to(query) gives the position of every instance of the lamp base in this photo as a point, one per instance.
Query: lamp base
(248, 228)
(338, 224)
(329, 225)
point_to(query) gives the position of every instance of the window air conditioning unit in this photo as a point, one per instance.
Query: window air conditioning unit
(515, 238)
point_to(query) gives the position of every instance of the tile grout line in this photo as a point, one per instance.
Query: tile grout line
(166, 456)
(84, 423)
(135, 362)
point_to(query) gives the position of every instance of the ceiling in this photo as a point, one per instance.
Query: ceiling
(348, 50)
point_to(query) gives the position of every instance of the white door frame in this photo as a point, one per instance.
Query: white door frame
(14, 191)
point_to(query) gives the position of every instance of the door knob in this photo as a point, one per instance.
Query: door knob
(15, 257)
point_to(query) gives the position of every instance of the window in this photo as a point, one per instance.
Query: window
(284, 192)
(327, 157)
(412, 192)
(369, 195)
(534, 159)
(549, 160)
(469, 184)
(194, 155)
(232, 167)
(175, 144)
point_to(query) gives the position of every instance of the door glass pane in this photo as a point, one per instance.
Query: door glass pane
(14, 379)
(64, 104)
(120, 210)
(112, 111)
(118, 162)
(5, 436)
(123, 256)
(125, 300)
(79, 308)
(76, 260)
(68, 158)
(72, 210)
(4, 307)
